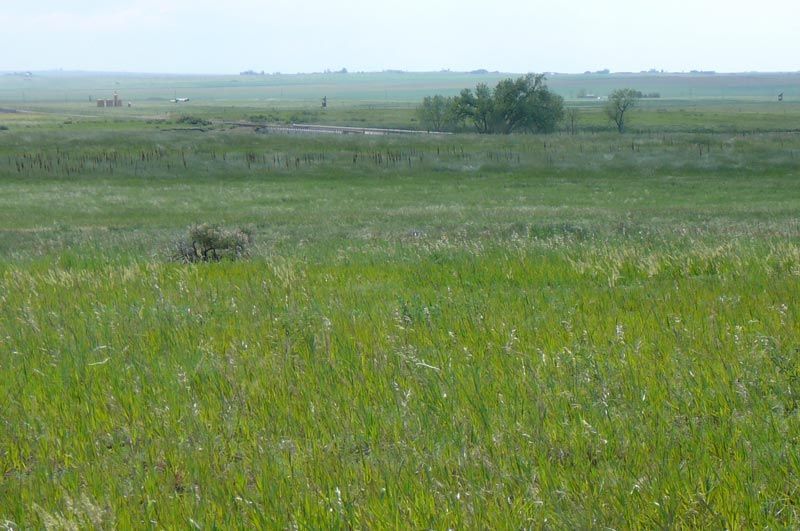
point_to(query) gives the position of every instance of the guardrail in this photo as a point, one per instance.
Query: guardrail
(331, 129)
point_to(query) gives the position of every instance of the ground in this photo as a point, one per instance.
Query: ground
(597, 330)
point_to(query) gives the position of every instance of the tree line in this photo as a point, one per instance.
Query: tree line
(521, 105)
(524, 104)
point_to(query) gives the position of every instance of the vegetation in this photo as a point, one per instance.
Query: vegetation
(192, 120)
(436, 113)
(524, 104)
(404, 89)
(639, 94)
(619, 103)
(572, 117)
(212, 243)
(460, 331)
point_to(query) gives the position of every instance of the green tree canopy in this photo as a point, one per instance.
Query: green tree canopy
(524, 104)
(619, 102)
(435, 113)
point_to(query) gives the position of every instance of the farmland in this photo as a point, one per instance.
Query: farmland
(568, 331)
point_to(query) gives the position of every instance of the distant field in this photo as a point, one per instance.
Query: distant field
(374, 87)
(688, 103)
(562, 331)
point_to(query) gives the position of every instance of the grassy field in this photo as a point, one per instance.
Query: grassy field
(357, 88)
(689, 103)
(585, 331)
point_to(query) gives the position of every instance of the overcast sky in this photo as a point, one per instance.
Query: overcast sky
(227, 36)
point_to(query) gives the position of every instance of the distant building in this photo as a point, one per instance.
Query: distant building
(116, 102)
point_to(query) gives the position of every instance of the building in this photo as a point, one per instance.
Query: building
(116, 102)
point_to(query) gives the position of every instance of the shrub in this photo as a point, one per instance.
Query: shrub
(212, 243)
(271, 117)
(3, 128)
(192, 120)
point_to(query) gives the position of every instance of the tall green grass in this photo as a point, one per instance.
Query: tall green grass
(597, 331)
(441, 385)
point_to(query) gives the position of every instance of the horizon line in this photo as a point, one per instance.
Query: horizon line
(477, 71)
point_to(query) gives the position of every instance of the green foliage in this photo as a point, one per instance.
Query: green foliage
(192, 120)
(268, 118)
(477, 108)
(81, 513)
(308, 393)
(462, 331)
(436, 113)
(619, 103)
(524, 104)
(212, 243)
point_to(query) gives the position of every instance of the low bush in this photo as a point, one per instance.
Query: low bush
(192, 120)
(212, 243)
(271, 117)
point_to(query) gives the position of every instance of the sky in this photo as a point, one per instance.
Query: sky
(226, 37)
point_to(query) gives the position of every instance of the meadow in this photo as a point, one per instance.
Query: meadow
(562, 331)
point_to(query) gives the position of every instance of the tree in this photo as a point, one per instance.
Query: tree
(435, 113)
(477, 108)
(573, 115)
(522, 104)
(548, 111)
(619, 102)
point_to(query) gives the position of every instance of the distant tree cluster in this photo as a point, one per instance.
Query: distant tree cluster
(640, 94)
(517, 105)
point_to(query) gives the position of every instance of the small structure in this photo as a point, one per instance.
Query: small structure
(780, 96)
(116, 102)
